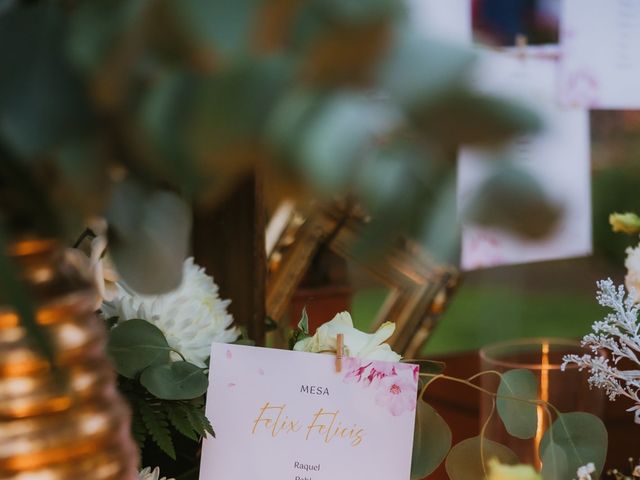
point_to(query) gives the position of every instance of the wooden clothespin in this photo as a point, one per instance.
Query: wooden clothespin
(521, 44)
(339, 351)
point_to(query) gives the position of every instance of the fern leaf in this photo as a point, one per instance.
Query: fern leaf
(199, 420)
(179, 418)
(156, 423)
(138, 429)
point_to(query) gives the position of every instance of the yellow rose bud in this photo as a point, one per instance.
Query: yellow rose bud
(498, 471)
(628, 223)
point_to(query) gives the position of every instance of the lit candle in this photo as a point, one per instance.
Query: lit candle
(544, 396)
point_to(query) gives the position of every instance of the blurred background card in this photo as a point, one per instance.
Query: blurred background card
(600, 65)
(559, 157)
(500, 22)
(445, 20)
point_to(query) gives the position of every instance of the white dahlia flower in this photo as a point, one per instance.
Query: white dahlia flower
(191, 317)
(632, 280)
(147, 474)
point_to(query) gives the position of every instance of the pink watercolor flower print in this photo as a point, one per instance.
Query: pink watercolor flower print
(367, 372)
(397, 394)
(356, 370)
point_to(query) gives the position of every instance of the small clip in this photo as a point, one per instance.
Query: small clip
(339, 351)
(521, 44)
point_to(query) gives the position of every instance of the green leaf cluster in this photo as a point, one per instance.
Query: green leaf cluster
(140, 351)
(159, 421)
(120, 108)
(573, 440)
(192, 95)
(166, 396)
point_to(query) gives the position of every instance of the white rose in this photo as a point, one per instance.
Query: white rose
(369, 346)
(632, 280)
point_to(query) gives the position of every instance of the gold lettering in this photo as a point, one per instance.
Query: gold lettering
(281, 423)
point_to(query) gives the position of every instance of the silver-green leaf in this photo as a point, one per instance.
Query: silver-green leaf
(517, 394)
(431, 441)
(136, 344)
(469, 458)
(175, 381)
(582, 437)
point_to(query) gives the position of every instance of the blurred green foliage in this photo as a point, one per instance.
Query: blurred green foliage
(191, 94)
(100, 97)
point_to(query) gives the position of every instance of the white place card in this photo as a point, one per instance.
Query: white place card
(290, 416)
(600, 65)
(559, 158)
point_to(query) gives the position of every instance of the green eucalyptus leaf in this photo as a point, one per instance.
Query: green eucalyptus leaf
(431, 441)
(203, 129)
(513, 199)
(582, 438)
(418, 70)
(384, 181)
(358, 11)
(289, 117)
(222, 26)
(136, 344)
(397, 193)
(469, 118)
(97, 26)
(469, 458)
(42, 100)
(554, 463)
(338, 135)
(516, 405)
(149, 235)
(441, 235)
(175, 381)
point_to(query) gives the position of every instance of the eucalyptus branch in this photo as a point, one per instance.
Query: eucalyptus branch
(483, 431)
(480, 389)
(176, 351)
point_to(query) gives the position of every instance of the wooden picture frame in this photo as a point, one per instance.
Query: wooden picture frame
(419, 286)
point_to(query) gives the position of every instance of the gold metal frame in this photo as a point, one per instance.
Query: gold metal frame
(419, 287)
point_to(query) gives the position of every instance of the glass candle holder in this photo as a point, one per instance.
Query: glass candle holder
(566, 390)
